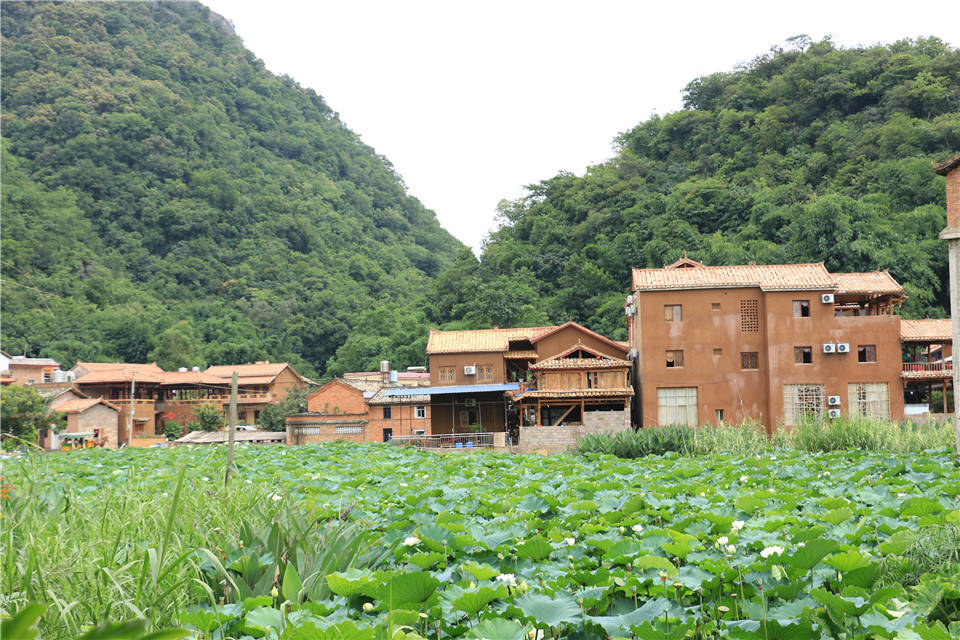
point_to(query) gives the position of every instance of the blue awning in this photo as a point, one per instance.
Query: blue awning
(437, 391)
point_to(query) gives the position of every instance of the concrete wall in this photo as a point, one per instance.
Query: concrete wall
(548, 440)
(460, 360)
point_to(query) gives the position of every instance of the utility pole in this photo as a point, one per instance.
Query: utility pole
(951, 171)
(233, 430)
(133, 393)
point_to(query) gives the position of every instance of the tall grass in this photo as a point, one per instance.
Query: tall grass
(749, 438)
(149, 548)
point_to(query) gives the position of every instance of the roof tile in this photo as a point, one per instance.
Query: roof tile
(936, 330)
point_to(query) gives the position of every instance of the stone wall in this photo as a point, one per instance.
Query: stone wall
(547, 440)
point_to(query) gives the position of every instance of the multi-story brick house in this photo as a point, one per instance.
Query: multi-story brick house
(763, 342)
(358, 411)
(29, 371)
(474, 376)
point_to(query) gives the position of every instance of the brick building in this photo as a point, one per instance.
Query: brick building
(763, 342)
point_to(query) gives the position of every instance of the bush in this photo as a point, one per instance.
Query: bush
(636, 444)
(206, 417)
(744, 439)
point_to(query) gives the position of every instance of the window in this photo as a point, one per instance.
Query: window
(749, 360)
(801, 308)
(749, 316)
(802, 399)
(675, 358)
(715, 306)
(342, 430)
(468, 418)
(448, 374)
(677, 405)
(46, 376)
(672, 313)
(387, 413)
(420, 412)
(869, 399)
(867, 353)
(803, 355)
(719, 416)
(485, 373)
(717, 353)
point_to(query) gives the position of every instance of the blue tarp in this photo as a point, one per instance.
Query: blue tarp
(436, 391)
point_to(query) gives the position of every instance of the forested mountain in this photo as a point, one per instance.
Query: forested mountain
(165, 197)
(809, 153)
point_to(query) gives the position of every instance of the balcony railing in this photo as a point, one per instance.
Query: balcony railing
(446, 441)
(927, 369)
(242, 398)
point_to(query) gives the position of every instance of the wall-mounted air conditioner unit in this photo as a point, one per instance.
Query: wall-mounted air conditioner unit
(843, 347)
(470, 402)
(633, 354)
(470, 370)
(826, 298)
(629, 300)
(419, 432)
(833, 414)
(630, 310)
(829, 347)
(833, 400)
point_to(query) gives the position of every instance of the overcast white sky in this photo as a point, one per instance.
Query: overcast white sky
(472, 101)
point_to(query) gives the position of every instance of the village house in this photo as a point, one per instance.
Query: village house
(356, 410)
(769, 343)
(28, 371)
(927, 367)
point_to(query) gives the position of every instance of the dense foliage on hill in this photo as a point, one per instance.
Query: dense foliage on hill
(810, 153)
(165, 197)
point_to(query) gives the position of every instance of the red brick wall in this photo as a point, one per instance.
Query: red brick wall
(336, 397)
(953, 198)
(402, 421)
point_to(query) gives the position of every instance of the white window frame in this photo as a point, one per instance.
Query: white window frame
(349, 429)
(420, 412)
(799, 399)
(677, 405)
(869, 399)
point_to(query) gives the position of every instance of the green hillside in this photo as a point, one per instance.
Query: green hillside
(809, 153)
(165, 197)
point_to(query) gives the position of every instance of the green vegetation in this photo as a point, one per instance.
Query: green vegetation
(372, 542)
(23, 412)
(166, 198)
(750, 438)
(808, 153)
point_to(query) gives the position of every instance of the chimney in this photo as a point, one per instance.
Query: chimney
(951, 171)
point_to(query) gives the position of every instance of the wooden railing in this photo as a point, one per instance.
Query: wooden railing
(249, 398)
(927, 367)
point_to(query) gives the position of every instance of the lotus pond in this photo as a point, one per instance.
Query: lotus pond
(368, 542)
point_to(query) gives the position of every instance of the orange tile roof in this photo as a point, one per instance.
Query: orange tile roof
(937, 330)
(193, 378)
(123, 374)
(875, 282)
(79, 405)
(480, 340)
(111, 366)
(263, 370)
(943, 168)
(767, 277)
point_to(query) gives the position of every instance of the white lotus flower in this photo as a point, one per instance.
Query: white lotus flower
(411, 541)
(637, 528)
(737, 525)
(723, 540)
(509, 578)
(771, 550)
(731, 549)
(744, 478)
(368, 607)
(570, 541)
(276, 497)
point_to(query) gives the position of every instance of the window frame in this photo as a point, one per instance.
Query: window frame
(420, 412)
(677, 361)
(685, 409)
(801, 308)
(869, 399)
(867, 353)
(747, 358)
(388, 412)
(803, 398)
(673, 313)
(799, 354)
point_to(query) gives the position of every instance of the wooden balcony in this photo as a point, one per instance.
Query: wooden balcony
(927, 370)
(242, 399)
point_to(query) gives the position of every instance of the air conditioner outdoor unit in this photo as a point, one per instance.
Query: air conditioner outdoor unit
(826, 298)
(470, 370)
(833, 400)
(419, 432)
(833, 414)
(829, 347)
(630, 310)
(843, 347)
(470, 402)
